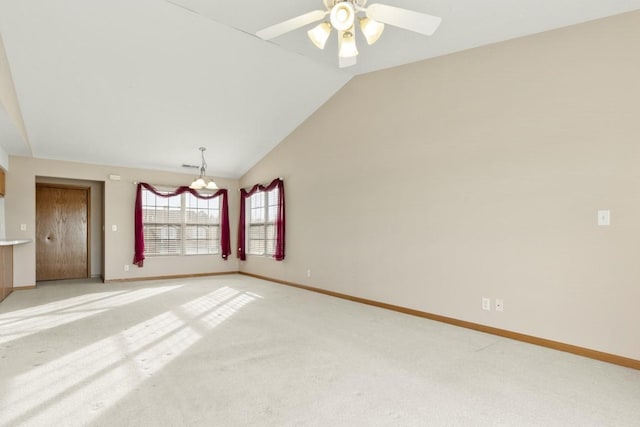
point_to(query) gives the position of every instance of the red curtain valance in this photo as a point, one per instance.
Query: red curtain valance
(225, 241)
(279, 223)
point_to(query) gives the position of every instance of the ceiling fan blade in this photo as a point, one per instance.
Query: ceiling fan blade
(346, 62)
(404, 18)
(291, 24)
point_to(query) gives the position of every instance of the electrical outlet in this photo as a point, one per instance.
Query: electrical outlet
(309, 273)
(23, 227)
(486, 304)
(499, 305)
(126, 267)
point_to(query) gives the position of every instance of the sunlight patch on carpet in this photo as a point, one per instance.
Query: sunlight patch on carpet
(47, 316)
(79, 385)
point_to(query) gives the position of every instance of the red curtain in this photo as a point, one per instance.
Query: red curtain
(225, 240)
(280, 218)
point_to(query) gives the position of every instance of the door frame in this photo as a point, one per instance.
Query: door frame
(87, 190)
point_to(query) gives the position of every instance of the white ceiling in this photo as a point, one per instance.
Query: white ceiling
(145, 83)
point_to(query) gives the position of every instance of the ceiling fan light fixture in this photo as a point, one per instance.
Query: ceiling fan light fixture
(199, 183)
(320, 34)
(371, 29)
(371, 18)
(347, 47)
(342, 16)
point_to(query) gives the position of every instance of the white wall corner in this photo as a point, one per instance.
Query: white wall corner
(9, 99)
(4, 159)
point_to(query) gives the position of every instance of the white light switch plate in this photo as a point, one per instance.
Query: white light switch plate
(604, 217)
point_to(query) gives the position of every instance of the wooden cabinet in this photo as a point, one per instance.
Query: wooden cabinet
(1, 183)
(6, 271)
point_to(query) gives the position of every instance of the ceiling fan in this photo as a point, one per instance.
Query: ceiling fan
(343, 16)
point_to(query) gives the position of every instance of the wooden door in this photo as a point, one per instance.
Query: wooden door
(62, 232)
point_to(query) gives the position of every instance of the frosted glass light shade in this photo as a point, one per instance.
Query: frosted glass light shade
(320, 34)
(211, 185)
(347, 48)
(198, 184)
(372, 30)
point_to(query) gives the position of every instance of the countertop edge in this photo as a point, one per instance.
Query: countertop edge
(13, 242)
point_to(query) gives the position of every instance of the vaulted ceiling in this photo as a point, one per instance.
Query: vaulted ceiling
(145, 83)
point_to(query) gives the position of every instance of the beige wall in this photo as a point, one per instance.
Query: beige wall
(479, 174)
(119, 197)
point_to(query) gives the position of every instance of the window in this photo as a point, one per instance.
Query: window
(261, 228)
(261, 222)
(180, 225)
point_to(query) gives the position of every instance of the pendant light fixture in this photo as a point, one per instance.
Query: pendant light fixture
(202, 181)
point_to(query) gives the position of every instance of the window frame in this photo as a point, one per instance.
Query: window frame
(280, 221)
(269, 213)
(184, 223)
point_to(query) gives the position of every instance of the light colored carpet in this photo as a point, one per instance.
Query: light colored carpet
(236, 351)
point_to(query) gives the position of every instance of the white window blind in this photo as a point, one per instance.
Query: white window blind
(180, 224)
(202, 225)
(261, 216)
